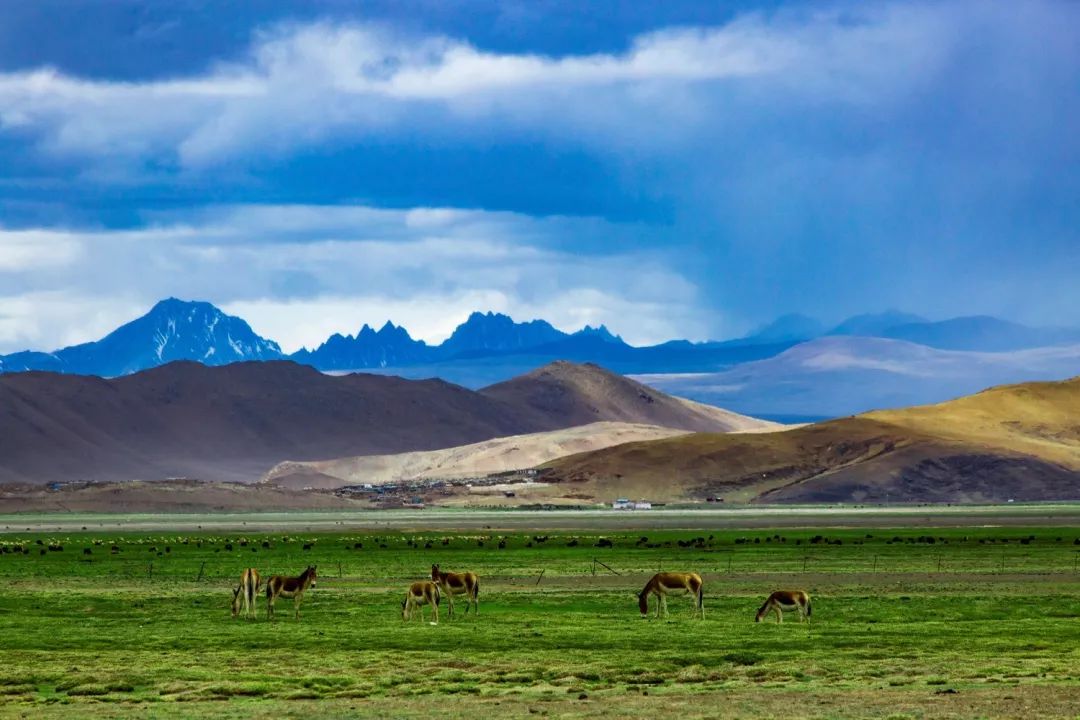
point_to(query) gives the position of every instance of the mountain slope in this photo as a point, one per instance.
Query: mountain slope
(172, 330)
(581, 394)
(231, 422)
(497, 455)
(1019, 442)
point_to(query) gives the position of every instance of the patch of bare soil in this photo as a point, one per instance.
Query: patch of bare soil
(179, 496)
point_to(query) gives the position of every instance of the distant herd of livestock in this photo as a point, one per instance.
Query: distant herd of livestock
(448, 584)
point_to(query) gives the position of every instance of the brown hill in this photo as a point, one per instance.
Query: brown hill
(237, 421)
(586, 393)
(231, 422)
(1013, 442)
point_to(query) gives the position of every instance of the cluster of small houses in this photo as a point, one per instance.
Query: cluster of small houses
(407, 493)
(627, 504)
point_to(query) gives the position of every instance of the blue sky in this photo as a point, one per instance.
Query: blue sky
(670, 169)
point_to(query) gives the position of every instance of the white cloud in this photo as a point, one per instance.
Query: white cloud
(302, 84)
(47, 320)
(301, 273)
(30, 249)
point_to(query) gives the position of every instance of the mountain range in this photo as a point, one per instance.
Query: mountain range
(794, 368)
(844, 375)
(235, 422)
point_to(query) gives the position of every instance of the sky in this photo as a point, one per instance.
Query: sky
(672, 170)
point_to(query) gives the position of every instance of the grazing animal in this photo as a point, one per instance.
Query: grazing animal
(664, 583)
(421, 592)
(245, 594)
(294, 587)
(785, 600)
(451, 583)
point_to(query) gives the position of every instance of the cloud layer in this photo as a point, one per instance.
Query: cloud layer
(826, 158)
(301, 85)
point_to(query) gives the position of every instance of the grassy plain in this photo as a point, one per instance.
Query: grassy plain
(916, 622)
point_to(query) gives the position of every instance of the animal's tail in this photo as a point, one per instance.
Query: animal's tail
(700, 597)
(807, 607)
(476, 589)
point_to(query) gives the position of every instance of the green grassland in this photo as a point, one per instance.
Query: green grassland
(906, 623)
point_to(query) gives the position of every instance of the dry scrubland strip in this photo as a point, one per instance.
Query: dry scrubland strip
(523, 520)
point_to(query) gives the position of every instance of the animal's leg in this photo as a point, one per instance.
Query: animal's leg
(435, 612)
(296, 605)
(450, 602)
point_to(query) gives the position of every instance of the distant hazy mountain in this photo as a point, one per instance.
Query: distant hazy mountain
(875, 324)
(788, 327)
(391, 345)
(497, 332)
(837, 376)
(491, 347)
(172, 330)
(980, 332)
(601, 332)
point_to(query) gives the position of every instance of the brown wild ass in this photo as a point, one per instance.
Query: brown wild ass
(664, 583)
(451, 583)
(785, 600)
(245, 594)
(294, 587)
(420, 593)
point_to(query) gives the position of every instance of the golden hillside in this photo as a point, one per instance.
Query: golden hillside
(1020, 441)
(1041, 419)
